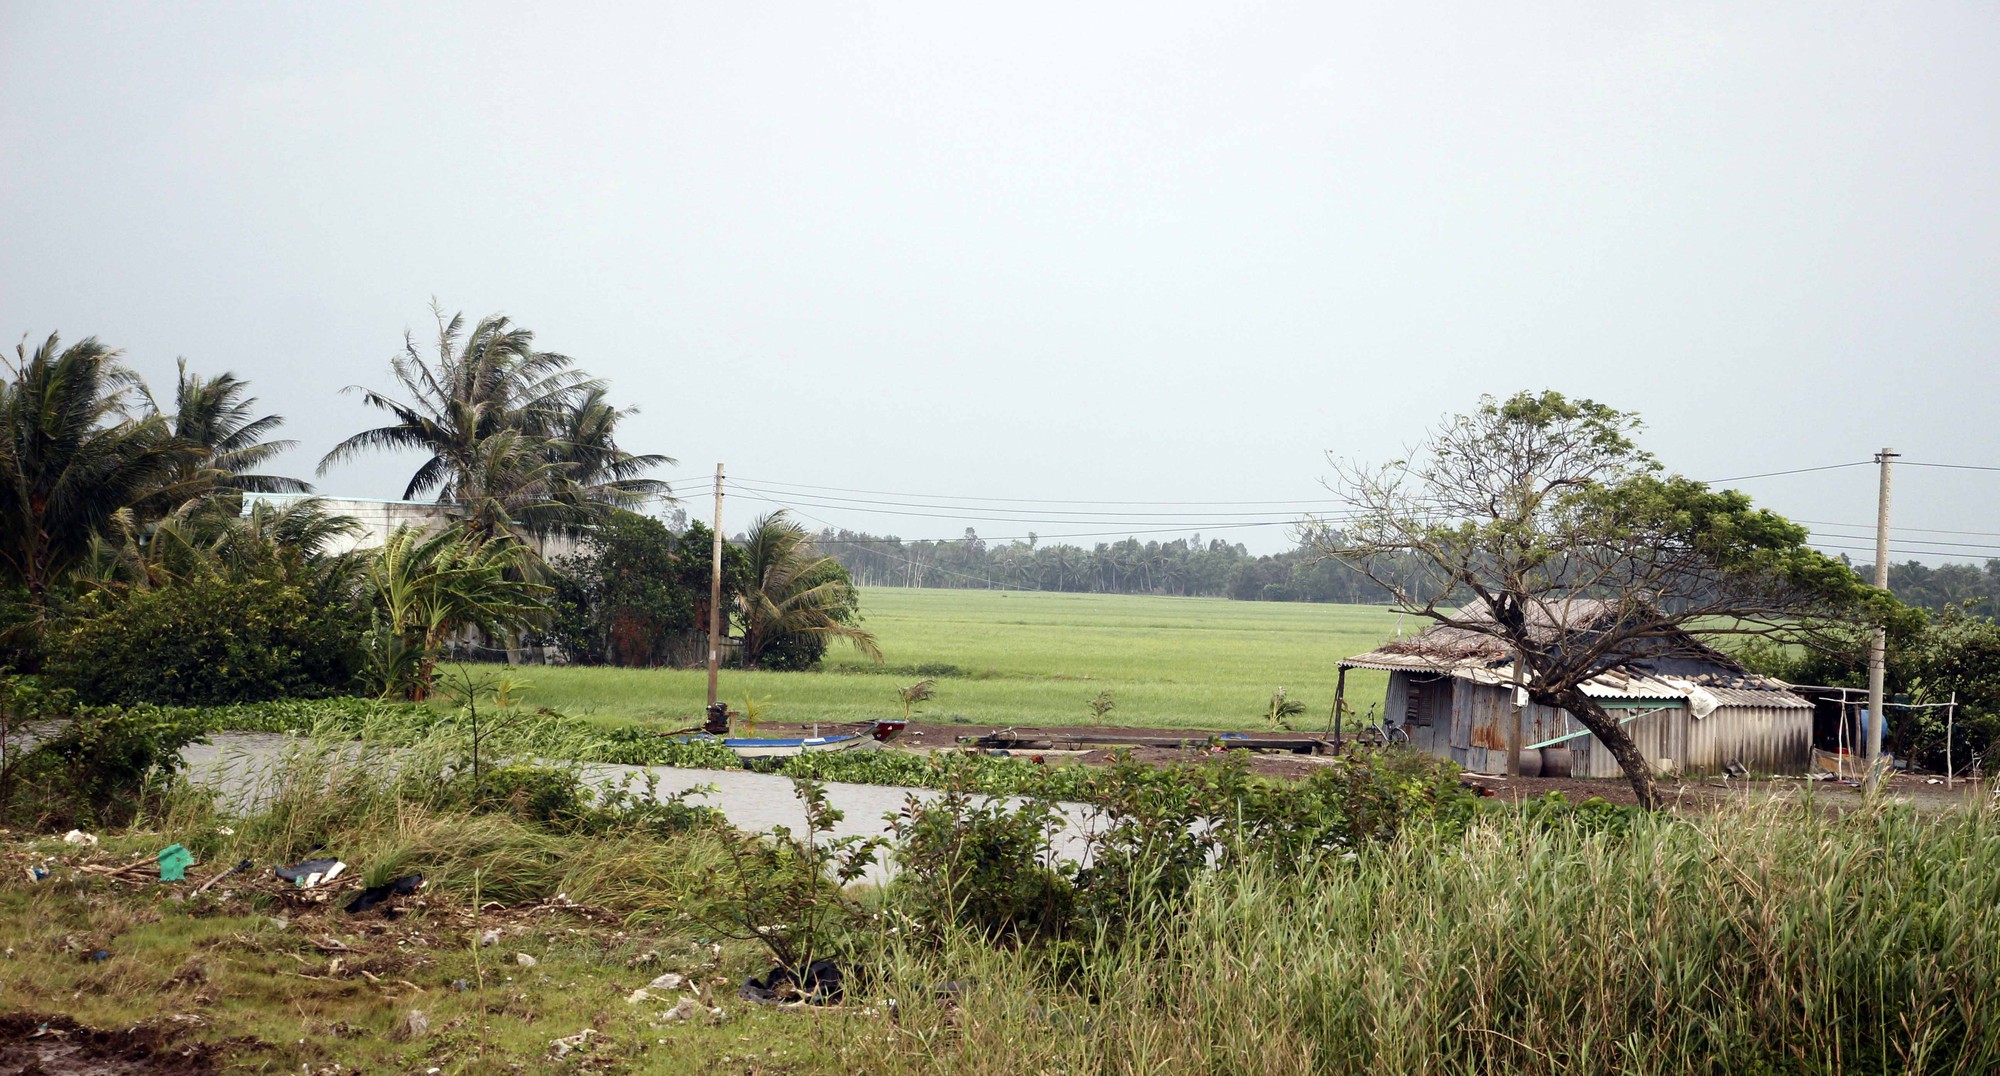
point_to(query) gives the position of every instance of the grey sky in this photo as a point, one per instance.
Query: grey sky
(1141, 252)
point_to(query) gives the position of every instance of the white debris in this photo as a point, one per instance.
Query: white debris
(561, 1047)
(489, 939)
(525, 960)
(77, 836)
(669, 981)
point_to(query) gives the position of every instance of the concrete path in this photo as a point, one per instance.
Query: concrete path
(236, 764)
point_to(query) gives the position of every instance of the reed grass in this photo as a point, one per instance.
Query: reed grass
(1758, 939)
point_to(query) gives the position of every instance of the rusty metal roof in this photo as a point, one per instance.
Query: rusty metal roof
(1726, 688)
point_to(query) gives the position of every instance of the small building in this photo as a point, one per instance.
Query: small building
(1689, 707)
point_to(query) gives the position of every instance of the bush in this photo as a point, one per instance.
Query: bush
(203, 642)
(101, 769)
(983, 867)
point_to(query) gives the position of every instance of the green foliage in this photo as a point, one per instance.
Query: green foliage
(101, 768)
(1278, 713)
(423, 589)
(796, 599)
(786, 890)
(203, 641)
(1101, 706)
(1158, 833)
(983, 866)
(622, 600)
(1593, 815)
(521, 441)
(558, 799)
(71, 458)
(912, 694)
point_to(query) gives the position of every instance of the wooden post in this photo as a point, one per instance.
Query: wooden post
(715, 594)
(1339, 703)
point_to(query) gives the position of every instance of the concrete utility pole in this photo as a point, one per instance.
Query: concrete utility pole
(1879, 648)
(715, 594)
(1516, 733)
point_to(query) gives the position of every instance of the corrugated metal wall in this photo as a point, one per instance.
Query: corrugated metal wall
(1468, 723)
(1767, 739)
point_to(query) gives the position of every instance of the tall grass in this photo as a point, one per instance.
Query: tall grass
(1768, 939)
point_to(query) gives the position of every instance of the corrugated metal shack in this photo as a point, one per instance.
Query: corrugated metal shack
(1690, 709)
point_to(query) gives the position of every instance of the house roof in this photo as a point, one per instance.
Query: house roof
(1468, 654)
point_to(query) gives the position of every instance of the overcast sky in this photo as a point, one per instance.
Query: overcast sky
(1144, 252)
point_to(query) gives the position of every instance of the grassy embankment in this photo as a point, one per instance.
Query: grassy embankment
(1005, 658)
(1766, 939)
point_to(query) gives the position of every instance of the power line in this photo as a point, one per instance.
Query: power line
(820, 498)
(1795, 471)
(1012, 500)
(1950, 466)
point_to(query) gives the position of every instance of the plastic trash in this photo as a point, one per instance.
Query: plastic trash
(174, 862)
(77, 836)
(378, 894)
(821, 985)
(37, 872)
(312, 872)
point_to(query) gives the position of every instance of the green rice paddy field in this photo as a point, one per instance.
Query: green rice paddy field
(1005, 658)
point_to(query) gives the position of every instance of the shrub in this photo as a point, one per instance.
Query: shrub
(984, 867)
(203, 642)
(101, 769)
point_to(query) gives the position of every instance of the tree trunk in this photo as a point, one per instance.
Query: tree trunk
(1609, 733)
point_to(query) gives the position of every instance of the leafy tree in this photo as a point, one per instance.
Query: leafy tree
(624, 599)
(1932, 658)
(71, 457)
(1513, 509)
(204, 641)
(795, 592)
(520, 440)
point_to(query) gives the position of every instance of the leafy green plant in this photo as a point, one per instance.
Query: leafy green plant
(984, 866)
(787, 890)
(1279, 712)
(912, 694)
(1101, 707)
(203, 641)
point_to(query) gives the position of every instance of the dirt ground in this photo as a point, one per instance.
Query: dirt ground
(1921, 789)
(32, 1045)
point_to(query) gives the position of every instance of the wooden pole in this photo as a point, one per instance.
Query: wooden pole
(1339, 702)
(1878, 649)
(715, 594)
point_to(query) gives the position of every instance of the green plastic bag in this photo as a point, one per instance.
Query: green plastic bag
(174, 862)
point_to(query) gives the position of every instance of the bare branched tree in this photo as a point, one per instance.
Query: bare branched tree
(1504, 517)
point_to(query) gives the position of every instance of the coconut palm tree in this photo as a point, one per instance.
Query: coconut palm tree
(519, 440)
(293, 543)
(72, 456)
(795, 591)
(215, 414)
(427, 587)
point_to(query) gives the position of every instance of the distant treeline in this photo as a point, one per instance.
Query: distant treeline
(1221, 569)
(1977, 588)
(1184, 566)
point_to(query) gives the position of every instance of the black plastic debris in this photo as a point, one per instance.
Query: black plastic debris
(379, 894)
(822, 984)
